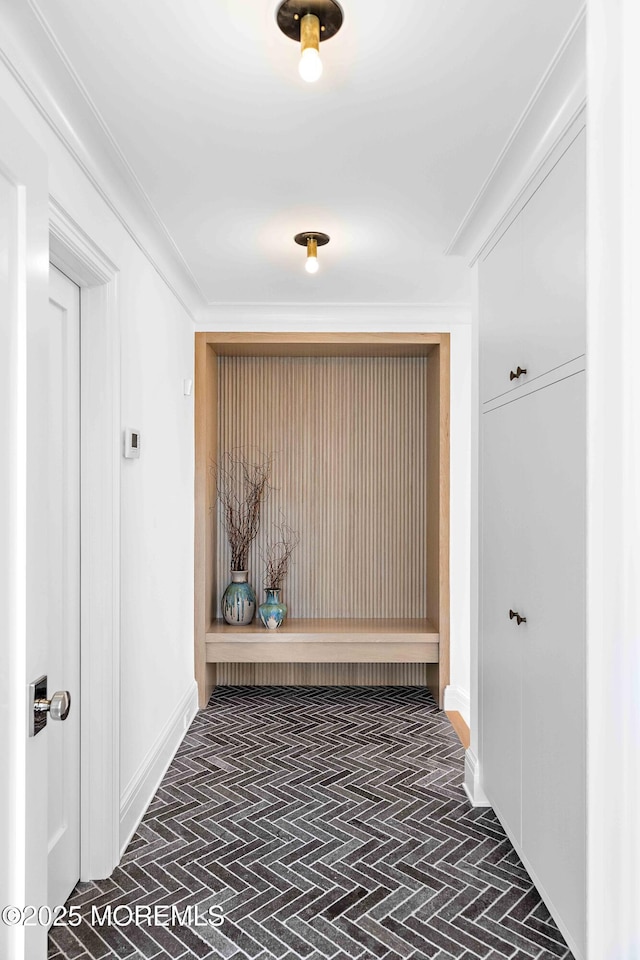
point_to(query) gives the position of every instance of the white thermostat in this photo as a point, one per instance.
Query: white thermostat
(131, 443)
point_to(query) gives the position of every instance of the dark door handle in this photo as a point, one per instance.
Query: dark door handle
(518, 373)
(518, 618)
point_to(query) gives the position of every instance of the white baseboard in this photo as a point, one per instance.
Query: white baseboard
(472, 785)
(142, 787)
(456, 698)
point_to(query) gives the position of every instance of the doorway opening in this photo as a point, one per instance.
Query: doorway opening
(75, 255)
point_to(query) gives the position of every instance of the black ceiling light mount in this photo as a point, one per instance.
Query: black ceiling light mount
(309, 22)
(312, 239)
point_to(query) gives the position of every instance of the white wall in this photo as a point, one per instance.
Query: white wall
(613, 518)
(157, 490)
(157, 513)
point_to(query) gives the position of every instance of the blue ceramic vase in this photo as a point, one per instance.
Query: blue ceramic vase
(272, 612)
(239, 600)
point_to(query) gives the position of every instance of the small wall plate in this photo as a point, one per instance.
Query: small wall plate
(131, 443)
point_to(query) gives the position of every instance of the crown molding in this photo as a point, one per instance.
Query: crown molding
(36, 61)
(71, 246)
(556, 103)
(407, 317)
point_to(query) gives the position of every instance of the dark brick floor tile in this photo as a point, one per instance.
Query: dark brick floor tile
(283, 932)
(524, 945)
(94, 945)
(64, 941)
(548, 929)
(375, 937)
(555, 947)
(422, 933)
(116, 940)
(493, 943)
(468, 937)
(329, 824)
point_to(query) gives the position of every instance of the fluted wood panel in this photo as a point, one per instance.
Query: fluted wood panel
(348, 437)
(322, 674)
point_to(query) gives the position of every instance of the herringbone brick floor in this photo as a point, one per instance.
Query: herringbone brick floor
(328, 823)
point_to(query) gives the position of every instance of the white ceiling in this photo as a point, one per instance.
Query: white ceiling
(385, 153)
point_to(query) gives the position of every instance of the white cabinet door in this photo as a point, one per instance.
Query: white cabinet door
(500, 279)
(554, 278)
(501, 591)
(533, 673)
(532, 284)
(553, 426)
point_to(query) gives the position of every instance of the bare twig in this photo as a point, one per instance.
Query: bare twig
(241, 484)
(277, 555)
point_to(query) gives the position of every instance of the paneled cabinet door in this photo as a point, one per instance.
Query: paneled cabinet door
(500, 280)
(553, 256)
(552, 434)
(502, 531)
(532, 284)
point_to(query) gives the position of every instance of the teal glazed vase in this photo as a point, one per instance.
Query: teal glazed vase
(239, 600)
(272, 612)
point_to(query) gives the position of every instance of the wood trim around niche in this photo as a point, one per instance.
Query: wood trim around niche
(436, 346)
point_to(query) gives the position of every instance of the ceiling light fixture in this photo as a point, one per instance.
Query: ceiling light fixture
(311, 239)
(308, 22)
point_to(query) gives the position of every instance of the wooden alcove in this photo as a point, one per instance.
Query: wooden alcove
(317, 641)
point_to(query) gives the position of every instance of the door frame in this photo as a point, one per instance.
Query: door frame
(77, 256)
(23, 831)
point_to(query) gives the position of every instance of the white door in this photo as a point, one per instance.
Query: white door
(553, 645)
(502, 591)
(59, 373)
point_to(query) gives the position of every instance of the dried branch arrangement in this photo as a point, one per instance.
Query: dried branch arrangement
(277, 554)
(242, 483)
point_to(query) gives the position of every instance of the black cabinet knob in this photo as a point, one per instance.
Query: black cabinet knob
(518, 618)
(517, 374)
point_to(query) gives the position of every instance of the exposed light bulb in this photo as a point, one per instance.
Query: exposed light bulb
(310, 66)
(311, 265)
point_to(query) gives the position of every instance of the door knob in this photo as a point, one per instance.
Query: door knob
(57, 708)
(518, 618)
(518, 373)
(41, 707)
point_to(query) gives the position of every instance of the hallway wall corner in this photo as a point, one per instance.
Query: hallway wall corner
(141, 789)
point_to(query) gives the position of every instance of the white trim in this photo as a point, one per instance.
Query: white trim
(532, 183)
(281, 317)
(613, 471)
(473, 781)
(53, 89)
(476, 514)
(457, 698)
(562, 372)
(73, 252)
(23, 654)
(159, 222)
(557, 101)
(142, 787)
